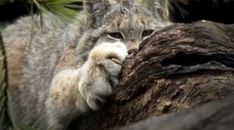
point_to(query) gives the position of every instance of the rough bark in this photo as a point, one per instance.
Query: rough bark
(179, 67)
(215, 115)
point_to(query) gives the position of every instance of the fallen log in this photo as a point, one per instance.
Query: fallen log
(178, 67)
(215, 115)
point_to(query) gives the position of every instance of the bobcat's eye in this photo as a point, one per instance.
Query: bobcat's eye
(147, 33)
(116, 35)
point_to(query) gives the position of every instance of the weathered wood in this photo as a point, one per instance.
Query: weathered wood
(215, 115)
(177, 68)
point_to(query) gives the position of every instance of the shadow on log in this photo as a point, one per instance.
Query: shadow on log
(178, 67)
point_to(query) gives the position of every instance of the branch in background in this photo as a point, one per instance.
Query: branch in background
(5, 122)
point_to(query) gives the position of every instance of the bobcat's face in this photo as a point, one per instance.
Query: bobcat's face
(131, 29)
(128, 23)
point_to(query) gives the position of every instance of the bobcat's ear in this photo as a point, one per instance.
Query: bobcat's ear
(96, 10)
(91, 5)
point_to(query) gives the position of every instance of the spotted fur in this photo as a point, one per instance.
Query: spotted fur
(57, 75)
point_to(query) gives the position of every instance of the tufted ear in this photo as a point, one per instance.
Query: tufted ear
(92, 5)
(127, 2)
(96, 10)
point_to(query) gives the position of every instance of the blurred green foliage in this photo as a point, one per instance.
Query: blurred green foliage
(65, 9)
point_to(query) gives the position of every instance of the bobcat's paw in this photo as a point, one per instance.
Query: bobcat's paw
(100, 74)
(109, 56)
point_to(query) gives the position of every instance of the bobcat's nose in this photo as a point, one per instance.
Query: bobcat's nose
(131, 52)
(132, 48)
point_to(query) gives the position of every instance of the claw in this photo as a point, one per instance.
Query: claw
(117, 61)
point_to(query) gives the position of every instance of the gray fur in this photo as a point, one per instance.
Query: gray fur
(33, 67)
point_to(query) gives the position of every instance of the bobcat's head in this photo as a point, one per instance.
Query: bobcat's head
(120, 20)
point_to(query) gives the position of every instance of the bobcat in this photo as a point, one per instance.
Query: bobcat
(66, 73)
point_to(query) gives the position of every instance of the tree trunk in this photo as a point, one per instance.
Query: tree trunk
(177, 68)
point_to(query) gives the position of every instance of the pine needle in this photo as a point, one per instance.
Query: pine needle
(65, 9)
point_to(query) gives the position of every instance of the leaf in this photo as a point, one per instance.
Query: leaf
(65, 9)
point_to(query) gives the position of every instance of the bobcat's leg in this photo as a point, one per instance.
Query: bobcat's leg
(74, 92)
(64, 101)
